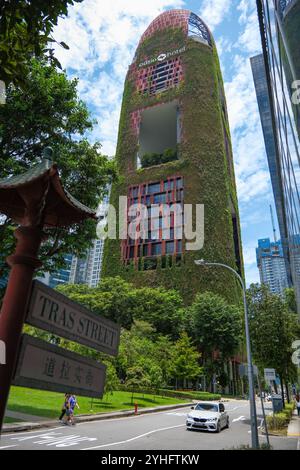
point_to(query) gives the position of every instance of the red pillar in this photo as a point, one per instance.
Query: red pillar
(23, 264)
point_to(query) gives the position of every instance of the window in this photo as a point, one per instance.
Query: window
(153, 188)
(156, 249)
(165, 228)
(160, 76)
(169, 247)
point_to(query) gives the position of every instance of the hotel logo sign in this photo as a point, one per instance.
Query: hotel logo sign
(163, 56)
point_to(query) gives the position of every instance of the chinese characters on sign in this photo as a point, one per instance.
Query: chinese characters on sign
(45, 366)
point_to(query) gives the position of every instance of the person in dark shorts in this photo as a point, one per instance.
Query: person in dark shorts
(65, 405)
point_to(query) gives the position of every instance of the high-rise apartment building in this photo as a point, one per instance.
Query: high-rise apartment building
(174, 147)
(271, 265)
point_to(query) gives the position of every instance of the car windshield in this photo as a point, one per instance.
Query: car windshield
(206, 407)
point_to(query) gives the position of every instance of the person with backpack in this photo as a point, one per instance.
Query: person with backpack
(64, 407)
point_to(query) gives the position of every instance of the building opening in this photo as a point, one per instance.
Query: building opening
(159, 135)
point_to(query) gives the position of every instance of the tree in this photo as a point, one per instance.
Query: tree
(290, 299)
(273, 327)
(111, 380)
(162, 308)
(185, 363)
(123, 303)
(113, 298)
(214, 325)
(49, 113)
(137, 380)
(26, 30)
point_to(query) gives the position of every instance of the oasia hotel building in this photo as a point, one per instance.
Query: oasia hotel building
(174, 147)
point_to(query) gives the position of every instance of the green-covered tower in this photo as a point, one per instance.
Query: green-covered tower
(174, 147)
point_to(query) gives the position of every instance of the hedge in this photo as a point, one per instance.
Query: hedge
(206, 396)
(277, 421)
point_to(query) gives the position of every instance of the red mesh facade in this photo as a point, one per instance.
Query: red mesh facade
(164, 235)
(168, 19)
(159, 77)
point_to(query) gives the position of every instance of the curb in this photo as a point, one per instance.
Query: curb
(19, 427)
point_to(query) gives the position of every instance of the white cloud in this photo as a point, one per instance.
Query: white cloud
(213, 12)
(249, 40)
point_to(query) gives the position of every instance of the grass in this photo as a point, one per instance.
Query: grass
(49, 404)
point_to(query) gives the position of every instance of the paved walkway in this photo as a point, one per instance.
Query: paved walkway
(24, 416)
(294, 426)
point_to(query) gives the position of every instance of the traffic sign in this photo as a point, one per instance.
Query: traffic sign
(270, 375)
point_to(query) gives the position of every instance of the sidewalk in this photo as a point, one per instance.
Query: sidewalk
(294, 425)
(23, 416)
(29, 426)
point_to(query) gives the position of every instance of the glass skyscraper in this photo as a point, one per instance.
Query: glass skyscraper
(261, 89)
(279, 22)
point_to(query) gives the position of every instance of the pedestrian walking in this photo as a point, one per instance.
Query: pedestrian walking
(64, 407)
(298, 406)
(72, 404)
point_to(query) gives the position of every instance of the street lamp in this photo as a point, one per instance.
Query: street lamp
(254, 433)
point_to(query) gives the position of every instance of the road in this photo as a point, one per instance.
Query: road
(157, 431)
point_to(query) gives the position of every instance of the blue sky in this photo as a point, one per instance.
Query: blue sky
(103, 35)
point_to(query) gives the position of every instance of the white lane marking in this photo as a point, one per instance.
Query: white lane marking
(6, 447)
(298, 444)
(56, 439)
(134, 438)
(240, 418)
(176, 414)
(26, 438)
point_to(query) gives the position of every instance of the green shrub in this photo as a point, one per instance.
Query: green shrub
(288, 410)
(277, 421)
(152, 159)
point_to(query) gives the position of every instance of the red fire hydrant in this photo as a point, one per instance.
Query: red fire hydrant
(135, 408)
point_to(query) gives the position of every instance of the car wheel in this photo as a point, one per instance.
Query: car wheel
(218, 427)
(227, 423)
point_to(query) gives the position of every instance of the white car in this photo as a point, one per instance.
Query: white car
(210, 416)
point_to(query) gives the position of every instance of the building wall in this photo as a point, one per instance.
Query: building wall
(291, 27)
(204, 157)
(261, 89)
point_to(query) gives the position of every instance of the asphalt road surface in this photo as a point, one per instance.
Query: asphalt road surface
(163, 430)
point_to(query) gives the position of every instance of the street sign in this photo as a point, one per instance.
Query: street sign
(269, 374)
(243, 370)
(52, 311)
(45, 366)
